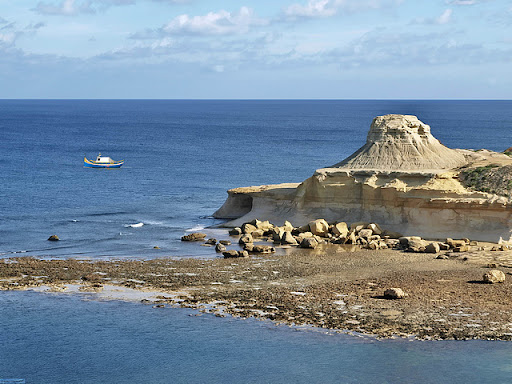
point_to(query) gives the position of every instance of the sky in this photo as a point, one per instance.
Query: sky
(256, 49)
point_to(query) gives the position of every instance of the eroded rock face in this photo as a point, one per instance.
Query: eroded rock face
(402, 142)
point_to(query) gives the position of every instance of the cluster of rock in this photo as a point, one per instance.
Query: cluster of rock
(417, 244)
(367, 235)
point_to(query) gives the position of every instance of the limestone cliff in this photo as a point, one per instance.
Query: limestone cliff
(402, 178)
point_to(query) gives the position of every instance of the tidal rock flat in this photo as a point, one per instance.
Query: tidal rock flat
(331, 286)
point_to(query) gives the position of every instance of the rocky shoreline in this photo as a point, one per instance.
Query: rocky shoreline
(334, 286)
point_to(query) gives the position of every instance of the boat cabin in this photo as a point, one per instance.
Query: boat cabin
(104, 159)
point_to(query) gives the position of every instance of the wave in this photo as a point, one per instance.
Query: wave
(198, 227)
(107, 213)
(137, 225)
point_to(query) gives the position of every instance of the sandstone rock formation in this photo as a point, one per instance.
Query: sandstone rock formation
(402, 178)
(402, 142)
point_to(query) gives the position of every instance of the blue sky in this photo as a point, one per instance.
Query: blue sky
(297, 49)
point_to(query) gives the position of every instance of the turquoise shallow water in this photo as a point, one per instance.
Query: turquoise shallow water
(48, 338)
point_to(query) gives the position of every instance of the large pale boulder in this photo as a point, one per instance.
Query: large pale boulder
(394, 293)
(248, 228)
(245, 239)
(494, 276)
(308, 242)
(319, 227)
(288, 239)
(340, 229)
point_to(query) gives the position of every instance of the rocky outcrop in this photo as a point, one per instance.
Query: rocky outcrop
(196, 236)
(402, 178)
(402, 142)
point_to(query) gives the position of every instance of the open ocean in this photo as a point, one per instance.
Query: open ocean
(181, 157)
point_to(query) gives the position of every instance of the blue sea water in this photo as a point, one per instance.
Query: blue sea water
(67, 339)
(181, 157)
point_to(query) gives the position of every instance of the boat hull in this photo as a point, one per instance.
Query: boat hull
(92, 164)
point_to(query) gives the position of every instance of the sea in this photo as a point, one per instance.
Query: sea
(181, 156)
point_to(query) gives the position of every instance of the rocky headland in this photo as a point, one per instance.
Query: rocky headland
(402, 178)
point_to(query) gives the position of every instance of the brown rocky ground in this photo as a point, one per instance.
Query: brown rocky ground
(331, 287)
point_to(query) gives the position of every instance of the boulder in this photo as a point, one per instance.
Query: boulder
(277, 233)
(365, 233)
(56, 238)
(288, 226)
(455, 243)
(416, 245)
(230, 254)
(220, 247)
(351, 238)
(257, 233)
(404, 240)
(262, 249)
(376, 229)
(303, 228)
(432, 248)
(392, 243)
(309, 242)
(462, 248)
(340, 229)
(235, 231)
(196, 236)
(391, 234)
(303, 235)
(358, 226)
(248, 228)
(374, 244)
(264, 225)
(211, 241)
(319, 227)
(443, 246)
(225, 242)
(494, 276)
(383, 245)
(245, 239)
(288, 239)
(394, 293)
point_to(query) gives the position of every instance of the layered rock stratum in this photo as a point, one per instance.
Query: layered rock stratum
(402, 178)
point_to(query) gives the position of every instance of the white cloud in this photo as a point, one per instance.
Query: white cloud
(463, 2)
(327, 8)
(314, 8)
(214, 23)
(445, 17)
(77, 7)
(442, 19)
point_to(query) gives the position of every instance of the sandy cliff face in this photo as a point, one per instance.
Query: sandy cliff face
(402, 178)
